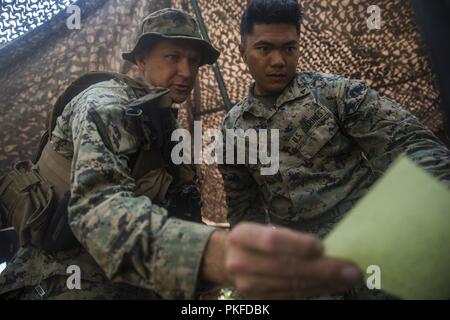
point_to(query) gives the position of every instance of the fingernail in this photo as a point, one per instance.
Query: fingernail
(351, 274)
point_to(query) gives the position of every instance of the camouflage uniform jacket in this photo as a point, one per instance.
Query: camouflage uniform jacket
(337, 136)
(128, 241)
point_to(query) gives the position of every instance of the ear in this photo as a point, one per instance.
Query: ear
(242, 51)
(140, 62)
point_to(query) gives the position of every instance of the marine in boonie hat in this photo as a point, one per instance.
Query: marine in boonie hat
(172, 23)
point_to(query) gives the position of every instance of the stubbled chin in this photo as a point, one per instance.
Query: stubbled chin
(179, 98)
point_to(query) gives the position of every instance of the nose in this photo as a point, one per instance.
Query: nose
(185, 69)
(277, 59)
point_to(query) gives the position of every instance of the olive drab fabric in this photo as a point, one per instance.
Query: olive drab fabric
(27, 201)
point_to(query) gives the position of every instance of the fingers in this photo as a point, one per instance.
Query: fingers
(283, 264)
(242, 260)
(331, 281)
(278, 241)
(327, 275)
(258, 287)
(322, 277)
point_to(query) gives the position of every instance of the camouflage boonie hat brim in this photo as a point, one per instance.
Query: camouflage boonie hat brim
(172, 24)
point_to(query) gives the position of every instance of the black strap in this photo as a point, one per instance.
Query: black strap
(9, 244)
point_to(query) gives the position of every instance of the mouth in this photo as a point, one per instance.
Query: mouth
(182, 88)
(276, 76)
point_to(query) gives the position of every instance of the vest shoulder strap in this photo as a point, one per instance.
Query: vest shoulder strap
(87, 80)
(76, 87)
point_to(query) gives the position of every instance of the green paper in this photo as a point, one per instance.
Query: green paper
(403, 226)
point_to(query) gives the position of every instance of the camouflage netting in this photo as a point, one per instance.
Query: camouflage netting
(335, 38)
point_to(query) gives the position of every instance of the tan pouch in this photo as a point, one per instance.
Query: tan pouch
(154, 184)
(27, 202)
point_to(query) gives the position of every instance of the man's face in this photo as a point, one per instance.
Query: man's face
(172, 64)
(271, 53)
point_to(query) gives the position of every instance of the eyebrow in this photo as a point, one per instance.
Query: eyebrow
(172, 50)
(262, 42)
(192, 55)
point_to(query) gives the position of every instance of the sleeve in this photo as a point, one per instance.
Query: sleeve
(130, 237)
(242, 193)
(383, 131)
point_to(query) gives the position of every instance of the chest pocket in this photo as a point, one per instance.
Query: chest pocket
(316, 127)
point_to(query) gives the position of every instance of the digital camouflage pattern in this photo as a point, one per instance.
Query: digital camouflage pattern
(130, 248)
(337, 136)
(34, 269)
(169, 23)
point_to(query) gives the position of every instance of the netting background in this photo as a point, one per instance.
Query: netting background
(36, 66)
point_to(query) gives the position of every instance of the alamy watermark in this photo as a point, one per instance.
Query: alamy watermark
(73, 282)
(373, 282)
(74, 279)
(236, 146)
(374, 20)
(73, 22)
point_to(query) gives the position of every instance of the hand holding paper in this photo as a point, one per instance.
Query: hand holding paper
(403, 226)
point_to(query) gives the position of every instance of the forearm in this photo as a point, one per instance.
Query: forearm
(384, 130)
(213, 265)
(430, 154)
(129, 237)
(133, 242)
(409, 136)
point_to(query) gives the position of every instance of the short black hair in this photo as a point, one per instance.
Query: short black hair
(269, 12)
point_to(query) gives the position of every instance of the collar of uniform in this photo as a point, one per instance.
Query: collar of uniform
(256, 107)
(297, 88)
